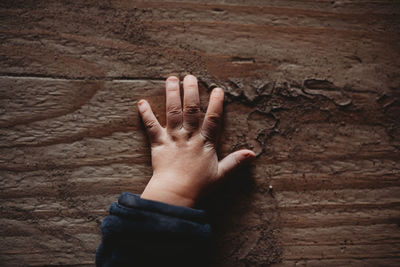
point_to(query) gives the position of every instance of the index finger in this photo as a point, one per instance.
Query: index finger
(213, 116)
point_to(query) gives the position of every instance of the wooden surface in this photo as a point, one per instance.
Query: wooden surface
(311, 86)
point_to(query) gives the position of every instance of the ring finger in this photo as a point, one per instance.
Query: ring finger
(173, 103)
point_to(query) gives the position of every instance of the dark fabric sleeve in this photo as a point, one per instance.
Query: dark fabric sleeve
(140, 232)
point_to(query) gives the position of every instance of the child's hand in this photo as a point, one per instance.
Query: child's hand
(183, 153)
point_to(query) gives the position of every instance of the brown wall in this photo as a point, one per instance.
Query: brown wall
(311, 86)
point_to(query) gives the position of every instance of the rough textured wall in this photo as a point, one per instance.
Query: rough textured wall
(311, 86)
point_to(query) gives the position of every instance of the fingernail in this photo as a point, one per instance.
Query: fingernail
(172, 81)
(141, 105)
(190, 78)
(250, 155)
(217, 91)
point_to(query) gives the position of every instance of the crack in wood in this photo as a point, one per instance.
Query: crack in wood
(67, 78)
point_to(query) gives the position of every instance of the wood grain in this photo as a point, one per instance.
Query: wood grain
(311, 86)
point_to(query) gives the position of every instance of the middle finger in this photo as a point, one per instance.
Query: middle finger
(191, 103)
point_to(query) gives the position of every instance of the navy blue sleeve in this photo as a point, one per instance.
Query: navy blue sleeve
(140, 232)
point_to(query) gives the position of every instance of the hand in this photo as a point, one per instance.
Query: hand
(184, 157)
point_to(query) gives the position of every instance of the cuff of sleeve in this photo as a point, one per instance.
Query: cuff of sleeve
(136, 229)
(134, 201)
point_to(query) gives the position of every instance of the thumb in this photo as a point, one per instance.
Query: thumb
(233, 160)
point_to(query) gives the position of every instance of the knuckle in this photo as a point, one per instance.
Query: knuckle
(174, 110)
(192, 109)
(207, 137)
(191, 86)
(150, 124)
(209, 145)
(172, 87)
(214, 119)
(190, 125)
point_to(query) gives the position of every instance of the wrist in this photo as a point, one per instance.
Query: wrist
(155, 191)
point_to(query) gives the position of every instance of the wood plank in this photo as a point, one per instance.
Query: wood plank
(311, 87)
(341, 235)
(345, 252)
(392, 262)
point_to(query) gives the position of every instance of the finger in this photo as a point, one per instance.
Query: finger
(173, 105)
(153, 127)
(234, 160)
(213, 116)
(191, 103)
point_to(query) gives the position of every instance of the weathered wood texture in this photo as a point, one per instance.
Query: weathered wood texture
(312, 87)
